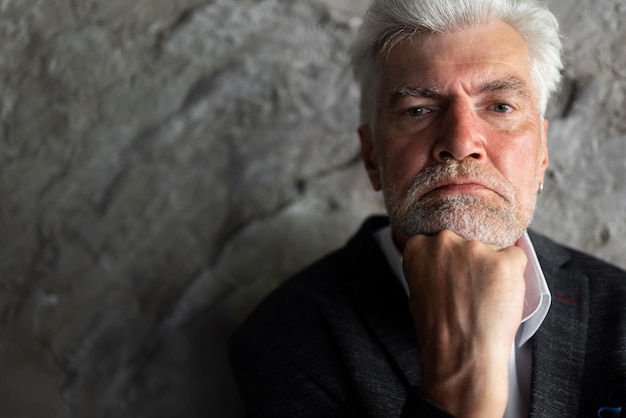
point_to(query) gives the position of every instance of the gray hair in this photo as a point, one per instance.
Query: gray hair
(388, 22)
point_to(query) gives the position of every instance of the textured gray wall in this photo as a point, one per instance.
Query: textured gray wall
(163, 164)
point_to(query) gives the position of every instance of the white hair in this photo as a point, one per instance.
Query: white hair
(388, 22)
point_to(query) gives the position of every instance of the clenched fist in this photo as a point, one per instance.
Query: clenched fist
(466, 299)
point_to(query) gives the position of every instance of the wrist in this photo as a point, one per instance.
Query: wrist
(474, 388)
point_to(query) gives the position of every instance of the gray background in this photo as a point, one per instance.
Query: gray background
(163, 164)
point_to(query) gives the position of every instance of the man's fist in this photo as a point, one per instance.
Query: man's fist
(466, 299)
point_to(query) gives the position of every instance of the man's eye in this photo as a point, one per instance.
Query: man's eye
(417, 111)
(502, 108)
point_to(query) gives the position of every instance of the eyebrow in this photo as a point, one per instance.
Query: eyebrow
(398, 93)
(511, 84)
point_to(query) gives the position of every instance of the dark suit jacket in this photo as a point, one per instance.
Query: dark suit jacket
(337, 340)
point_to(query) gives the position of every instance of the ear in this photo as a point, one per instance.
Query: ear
(370, 157)
(543, 156)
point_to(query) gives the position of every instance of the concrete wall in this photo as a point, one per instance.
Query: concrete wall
(163, 164)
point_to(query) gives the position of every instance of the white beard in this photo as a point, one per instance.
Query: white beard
(500, 221)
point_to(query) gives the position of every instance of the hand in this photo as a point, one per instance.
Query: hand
(466, 299)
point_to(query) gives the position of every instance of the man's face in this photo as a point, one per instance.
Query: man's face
(457, 141)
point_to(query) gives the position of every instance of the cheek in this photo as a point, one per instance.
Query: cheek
(523, 171)
(402, 160)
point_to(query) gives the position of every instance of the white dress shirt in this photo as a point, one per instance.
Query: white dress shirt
(536, 305)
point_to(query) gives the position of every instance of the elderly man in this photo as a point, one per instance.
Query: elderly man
(450, 307)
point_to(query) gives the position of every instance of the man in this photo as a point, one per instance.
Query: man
(452, 309)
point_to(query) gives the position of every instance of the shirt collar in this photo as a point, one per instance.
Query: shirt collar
(537, 298)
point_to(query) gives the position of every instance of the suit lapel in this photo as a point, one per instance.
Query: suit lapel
(381, 301)
(559, 344)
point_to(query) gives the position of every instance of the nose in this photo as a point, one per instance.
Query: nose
(460, 135)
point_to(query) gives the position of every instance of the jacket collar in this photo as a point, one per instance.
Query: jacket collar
(559, 344)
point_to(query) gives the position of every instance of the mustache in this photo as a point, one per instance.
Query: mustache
(449, 171)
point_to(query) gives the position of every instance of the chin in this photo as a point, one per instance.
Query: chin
(467, 217)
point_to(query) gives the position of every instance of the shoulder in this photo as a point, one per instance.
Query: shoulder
(322, 292)
(570, 266)
(561, 255)
(299, 351)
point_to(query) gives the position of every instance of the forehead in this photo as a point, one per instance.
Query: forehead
(463, 58)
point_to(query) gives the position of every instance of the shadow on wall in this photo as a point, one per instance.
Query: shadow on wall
(164, 165)
(188, 372)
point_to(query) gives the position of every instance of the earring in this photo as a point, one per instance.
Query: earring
(540, 188)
